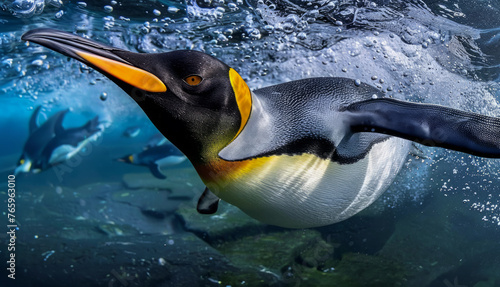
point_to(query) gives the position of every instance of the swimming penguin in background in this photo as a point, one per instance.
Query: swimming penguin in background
(39, 137)
(299, 154)
(156, 140)
(132, 132)
(50, 143)
(156, 158)
(68, 142)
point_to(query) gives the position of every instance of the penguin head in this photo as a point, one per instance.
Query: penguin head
(127, 159)
(23, 165)
(199, 103)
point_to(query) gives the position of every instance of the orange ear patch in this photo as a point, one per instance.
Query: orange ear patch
(243, 98)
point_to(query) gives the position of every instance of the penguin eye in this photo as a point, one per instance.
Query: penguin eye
(193, 80)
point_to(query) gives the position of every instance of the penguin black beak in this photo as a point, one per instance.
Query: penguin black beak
(119, 65)
(126, 159)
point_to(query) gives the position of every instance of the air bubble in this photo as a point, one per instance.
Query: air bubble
(103, 96)
(156, 12)
(232, 6)
(37, 63)
(249, 19)
(269, 28)
(173, 9)
(254, 33)
(108, 9)
(25, 8)
(287, 28)
(222, 38)
(8, 62)
(59, 14)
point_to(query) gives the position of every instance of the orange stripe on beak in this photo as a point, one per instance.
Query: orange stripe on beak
(131, 75)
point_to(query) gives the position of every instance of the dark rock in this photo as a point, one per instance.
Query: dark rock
(438, 241)
(272, 250)
(174, 260)
(153, 213)
(357, 269)
(272, 255)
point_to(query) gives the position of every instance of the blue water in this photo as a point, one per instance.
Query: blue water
(437, 225)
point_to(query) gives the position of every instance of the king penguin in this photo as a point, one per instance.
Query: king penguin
(68, 142)
(50, 143)
(300, 154)
(155, 158)
(39, 137)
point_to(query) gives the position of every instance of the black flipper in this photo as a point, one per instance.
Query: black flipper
(427, 124)
(208, 202)
(34, 119)
(155, 170)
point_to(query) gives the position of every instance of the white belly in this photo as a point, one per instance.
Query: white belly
(306, 191)
(65, 152)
